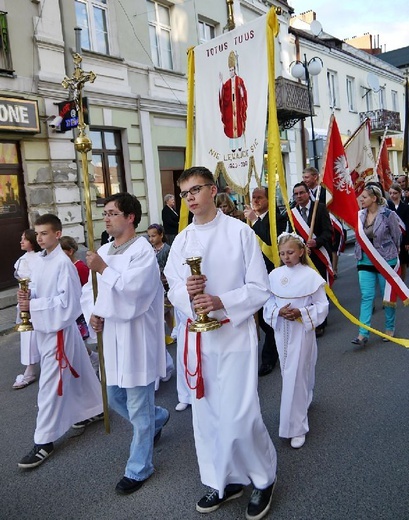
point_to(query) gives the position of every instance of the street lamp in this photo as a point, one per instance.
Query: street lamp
(303, 70)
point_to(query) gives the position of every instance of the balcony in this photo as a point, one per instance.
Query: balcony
(292, 102)
(380, 119)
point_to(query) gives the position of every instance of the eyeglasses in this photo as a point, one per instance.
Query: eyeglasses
(111, 214)
(194, 190)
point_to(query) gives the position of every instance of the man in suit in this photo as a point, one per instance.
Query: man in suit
(322, 231)
(170, 218)
(260, 222)
(402, 180)
(311, 177)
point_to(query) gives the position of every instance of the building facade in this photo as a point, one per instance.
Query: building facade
(354, 85)
(136, 106)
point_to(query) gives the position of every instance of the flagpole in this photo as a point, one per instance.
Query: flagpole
(83, 145)
(355, 133)
(378, 159)
(317, 197)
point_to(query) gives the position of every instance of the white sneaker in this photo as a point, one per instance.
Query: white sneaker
(167, 377)
(298, 442)
(181, 406)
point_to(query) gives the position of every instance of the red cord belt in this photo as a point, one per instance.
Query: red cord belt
(62, 359)
(199, 387)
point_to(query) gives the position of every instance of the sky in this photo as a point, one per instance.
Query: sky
(350, 18)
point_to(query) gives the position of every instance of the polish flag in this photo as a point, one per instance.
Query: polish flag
(337, 179)
(360, 158)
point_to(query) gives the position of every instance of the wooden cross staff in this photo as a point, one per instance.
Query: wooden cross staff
(83, 145)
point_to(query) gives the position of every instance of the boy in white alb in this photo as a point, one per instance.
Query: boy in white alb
(233, 446)
(69, 390)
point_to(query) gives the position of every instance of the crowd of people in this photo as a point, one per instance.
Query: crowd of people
(144, 281)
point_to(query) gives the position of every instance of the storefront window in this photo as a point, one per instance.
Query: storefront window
(8, 153)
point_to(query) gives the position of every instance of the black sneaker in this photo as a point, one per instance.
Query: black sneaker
(260, 502)
(211, 501)
(82, 424)
(37, 455)
(127, 485)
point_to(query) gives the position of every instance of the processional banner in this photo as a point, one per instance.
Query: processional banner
(231, 103)
(361, 162)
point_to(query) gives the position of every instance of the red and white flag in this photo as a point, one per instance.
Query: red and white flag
(360, 158)
(382, 167)
(337, 179)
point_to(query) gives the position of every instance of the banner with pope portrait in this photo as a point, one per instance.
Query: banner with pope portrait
(231, 83)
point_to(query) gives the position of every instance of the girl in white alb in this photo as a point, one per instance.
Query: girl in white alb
(28, 347)
(297, 305)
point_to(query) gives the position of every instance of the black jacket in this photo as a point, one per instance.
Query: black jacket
(262, 230)
(170, 221)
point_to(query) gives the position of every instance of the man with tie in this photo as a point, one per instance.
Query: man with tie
(311, 177)
(260, 222)
(320, 243)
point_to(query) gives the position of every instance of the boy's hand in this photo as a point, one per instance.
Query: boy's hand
(195, 284)
(205, 303)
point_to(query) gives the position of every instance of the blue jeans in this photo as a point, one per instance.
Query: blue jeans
(367, 283)
(137, 405)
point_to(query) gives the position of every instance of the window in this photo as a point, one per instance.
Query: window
(351, 94)
(206, 32)
(92, 18)
(381, 98)
(332, 80)
(5, 54)
(369, 100)
(395, 104)
(315, 91)
(159, 34)
(107, 163)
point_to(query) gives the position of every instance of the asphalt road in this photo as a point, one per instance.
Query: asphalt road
(354, 464)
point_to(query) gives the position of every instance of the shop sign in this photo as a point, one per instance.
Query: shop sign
(19, 115)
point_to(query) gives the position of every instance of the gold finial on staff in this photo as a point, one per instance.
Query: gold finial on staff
(83, 145)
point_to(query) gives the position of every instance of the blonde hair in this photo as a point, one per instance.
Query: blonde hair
(377, 192)
(293, 237)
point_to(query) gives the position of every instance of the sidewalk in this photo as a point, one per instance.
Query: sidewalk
(8, 313)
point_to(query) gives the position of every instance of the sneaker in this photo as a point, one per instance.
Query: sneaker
(180, 407)
(260, 502)
(360, 341)
(211, 501)
(127, 485)
(37, 455)
(82, 424)
(298, 442)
